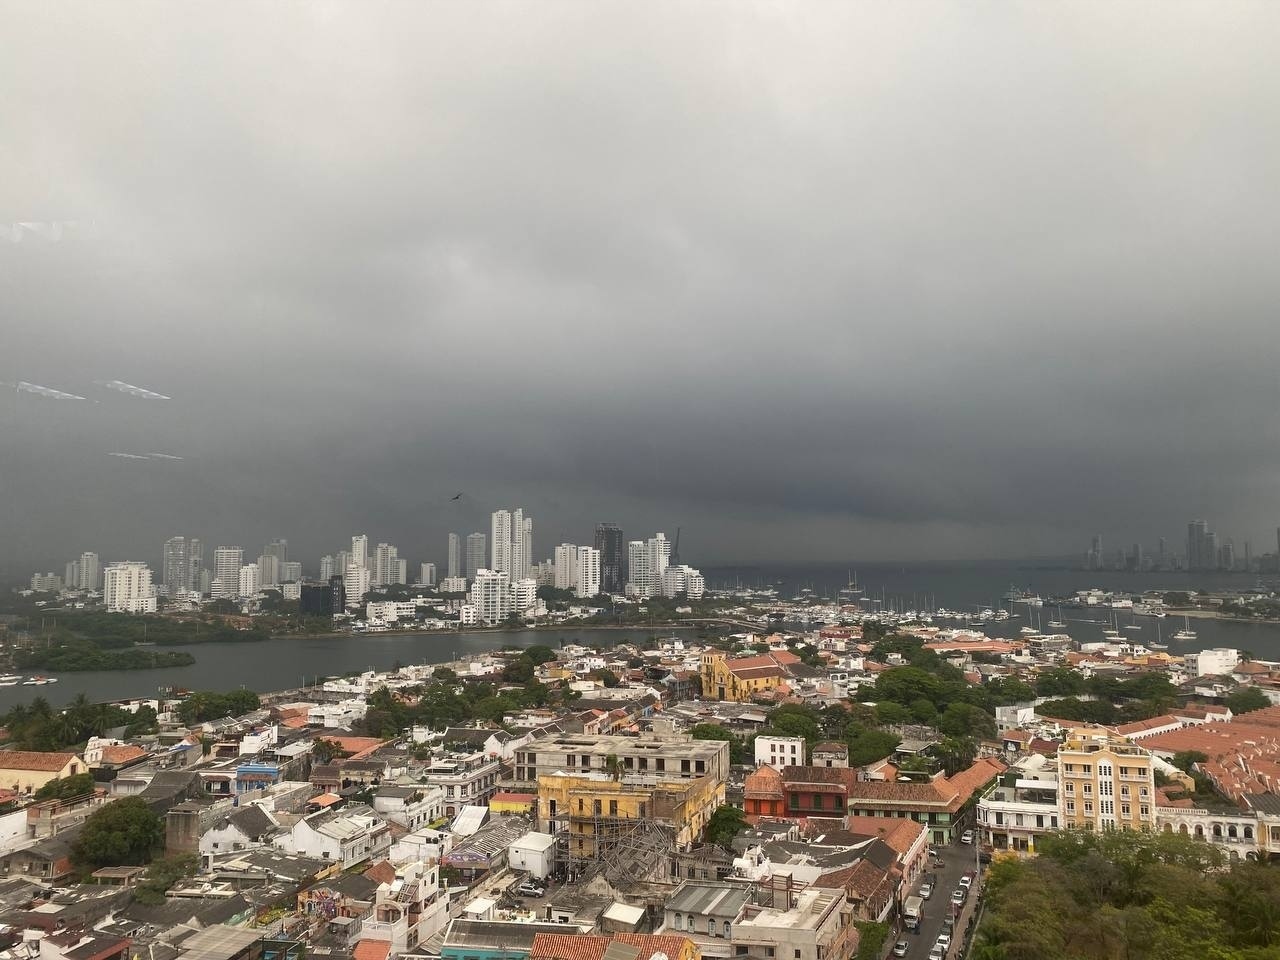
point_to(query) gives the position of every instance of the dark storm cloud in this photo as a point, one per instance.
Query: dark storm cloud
(811, 280)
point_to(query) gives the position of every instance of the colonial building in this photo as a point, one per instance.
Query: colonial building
(744, 678)
(1107, 782)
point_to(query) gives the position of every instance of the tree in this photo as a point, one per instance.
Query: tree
(1245, 699)
(64, 788)
(607, 677)
(162, 875)
(324, 750)
(540, 653)
(725, 824)
(125, 831)
(892, 714)
(710, 731)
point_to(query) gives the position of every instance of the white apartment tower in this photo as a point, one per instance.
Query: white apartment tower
(427, 576)
(587, 581)
(491, 595)
(453, 562)
(175, 566)
(249, 580)
(386, 565)
(683, 579)
(227, 562)
(359, 551)
(84, 573)
(647, 560)
(126, 588)
(565, 558)
(511, 542)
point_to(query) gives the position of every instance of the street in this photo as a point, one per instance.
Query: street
(958, 859)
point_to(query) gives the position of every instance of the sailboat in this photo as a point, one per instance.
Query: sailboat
(1058, 624)
(1156, 644)
(1186, 633)
(1113, 634)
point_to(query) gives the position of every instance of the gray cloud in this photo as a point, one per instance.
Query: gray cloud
(813, 280)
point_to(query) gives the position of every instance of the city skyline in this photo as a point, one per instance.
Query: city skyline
(828, 285)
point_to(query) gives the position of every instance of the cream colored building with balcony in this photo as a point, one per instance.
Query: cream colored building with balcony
(1108, 783)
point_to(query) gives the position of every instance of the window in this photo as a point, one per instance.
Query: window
(1071, 787)
(711, 926)
(1088, 807)
(613, 808)
(1124, 791)
(1124, 810)
(595, 807)
(679, 920)
(1088, 789)
(726, 929)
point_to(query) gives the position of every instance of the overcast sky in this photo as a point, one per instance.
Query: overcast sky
(828, 281)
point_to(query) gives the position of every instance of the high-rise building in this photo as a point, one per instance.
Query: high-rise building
(386, 566)
(249, 580)
(491, 595)
(355, 582)
(175, 566)
(195, 560)
(453, 561)
(646, 561)
(46, 582)
(475, 554)
(511, 542)
(1202, 546)
(524, 596)
(1094, 559)
(227, 562)
(613, 557)
(84, 573)
(290, 571)
(359, 551)
(274, 555)
(427, 576)
(566, 564)
(681, 578)
(587, 579)
(1227, 556)
(127, 588)
(329, 567)
(322, 599)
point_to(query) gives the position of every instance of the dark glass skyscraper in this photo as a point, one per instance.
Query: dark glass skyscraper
(613, 557)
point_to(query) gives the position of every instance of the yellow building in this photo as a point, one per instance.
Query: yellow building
(26, 771)
(523, 804)
(1108, 782)
(744, 678)
(594, 807)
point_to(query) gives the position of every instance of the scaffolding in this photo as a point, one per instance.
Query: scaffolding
(624, 849)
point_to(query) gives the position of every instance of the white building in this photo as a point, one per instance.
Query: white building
(565, 557)
(84, 573)
(126, 588)
(337, 716)
(290, 571)
(412, 807)
(227, 562)
(355, 583)
(468, 615)
(524, 596)
(408, 911)
(1216, 662)
(683, 579)
(491, 595)
(511, 543)
(534, 853)
(427, 575)
(386, 565)
(779, 752)
(349, 836)
(359, 550)
(249, 580)
(587, 581)
(453, 561)
(46, 582)
(329, 567)
(453, 585)
(390, 611)
(647, 561)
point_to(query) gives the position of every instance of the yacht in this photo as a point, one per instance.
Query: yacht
(1186, 633)
(10, 679)
(1148, 610)
(1058, 624)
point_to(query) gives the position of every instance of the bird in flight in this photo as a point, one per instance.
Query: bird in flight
(22, 386)
(165, 456)
(456, 497)
(130, 389)
(129, 456)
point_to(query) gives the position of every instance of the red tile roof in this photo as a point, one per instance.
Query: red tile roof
(567, 946)
(122, 753)
(33, 760)
(371, 950)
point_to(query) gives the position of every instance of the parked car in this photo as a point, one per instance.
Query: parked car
(530, 889)
(944, 940)
(957, 897)
(926, 891)
(900, 948)
(966, 881)
(937, 953)
(966, 837)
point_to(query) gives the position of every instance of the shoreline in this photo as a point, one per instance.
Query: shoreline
(339, 634)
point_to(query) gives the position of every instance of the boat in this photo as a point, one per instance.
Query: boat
(1133, 626)
(38, 681)
(1112, 635)
(1029, 632)
(1158, 646)
(1186, 633)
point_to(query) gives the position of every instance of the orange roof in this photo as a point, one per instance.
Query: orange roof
(357, 747)
(122, 753)
(325, 800)
(569, 946)
(371, 950)
(899, 833)
(33, 760)
(381, 872)
(294, 723)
